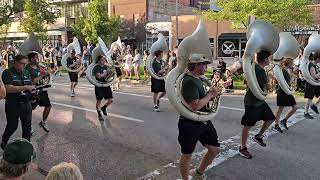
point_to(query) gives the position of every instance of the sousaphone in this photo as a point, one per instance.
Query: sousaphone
(75, 45)
(101, 50)
(161, 45)
(31, 45)
(288, 48)
(261, 35)
(312, 47)
(117, 45)
(197, 44)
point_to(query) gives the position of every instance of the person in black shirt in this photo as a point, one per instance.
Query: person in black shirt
(256, 109)
(100, 72)
(72, 62)
(283, 99)
(18, 83)
(222, 65)
(158, 85)
(310, 90)
(37, 74)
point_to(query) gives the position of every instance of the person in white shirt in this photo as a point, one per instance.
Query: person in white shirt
(128, 64)
(136, 64)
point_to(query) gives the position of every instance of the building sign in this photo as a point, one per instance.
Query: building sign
(228, 47)
(315, 27)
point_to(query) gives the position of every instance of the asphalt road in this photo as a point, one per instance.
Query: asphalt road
(136, 143)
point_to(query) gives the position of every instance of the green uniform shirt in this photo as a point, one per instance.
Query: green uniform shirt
(287, 78)
(192, 89)
(34, 73)
(16, 78)
(249, 98)
(99, 69)
(157, 66)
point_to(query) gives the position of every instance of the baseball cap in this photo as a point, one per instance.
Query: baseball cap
(19, 151)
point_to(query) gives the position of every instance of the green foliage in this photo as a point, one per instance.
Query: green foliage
(78, 26)
(98, 24)
(7, 9)
(281, 13)
(38, 15)
(132, 30)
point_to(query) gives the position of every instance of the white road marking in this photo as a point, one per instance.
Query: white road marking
(91, 110)
(228, 149)
(232, 108)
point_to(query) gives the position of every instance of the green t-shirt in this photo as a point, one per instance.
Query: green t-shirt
(249, 98)
(99, 69)
(192, 89)
(287, 78)
(16, 78)
(157, 66)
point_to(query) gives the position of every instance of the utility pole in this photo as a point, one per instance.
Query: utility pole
(177, 23)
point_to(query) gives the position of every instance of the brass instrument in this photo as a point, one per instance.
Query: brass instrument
(261, 35)
(75, 45)
(197, 44)
(111, 77)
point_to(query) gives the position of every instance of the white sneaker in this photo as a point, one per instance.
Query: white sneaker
(196, 176)
(71, 94)
(156, 108)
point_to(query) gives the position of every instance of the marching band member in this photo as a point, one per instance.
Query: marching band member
(158, 85)
(283, 99)
(18, 105)
(72, 62)
(116, 57)
(310, 90)
(256, 109)
(190, 132)
(100, 72)
(37, 74)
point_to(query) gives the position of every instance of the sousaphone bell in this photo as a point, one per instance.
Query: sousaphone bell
(75, 45)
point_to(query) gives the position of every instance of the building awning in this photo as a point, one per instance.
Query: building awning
(233, 36)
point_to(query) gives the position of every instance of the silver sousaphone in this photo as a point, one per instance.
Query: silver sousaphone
(75, 45)
(312, 47)
(161, 45)
(101, 50)
(261, 35)
(288, 48)
(114, 47)
(195, 45)
(31, 45)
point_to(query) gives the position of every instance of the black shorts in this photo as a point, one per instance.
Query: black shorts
(309, 91)
(73, 76)
(43, 100)
(103, 93)
(253, 114)
(317, 91)
(190, 132)
(59, 63)
(118, 71)
(158, 85)
(52, 65)
(284, 99)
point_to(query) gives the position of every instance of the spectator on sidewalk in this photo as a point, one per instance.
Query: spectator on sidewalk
(16, 159)
(64, 171)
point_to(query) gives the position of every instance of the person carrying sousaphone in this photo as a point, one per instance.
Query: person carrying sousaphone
(73, 62)
(100, 71)
(158, 85)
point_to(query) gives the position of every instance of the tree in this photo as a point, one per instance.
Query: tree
(131, 30)
(38, 15)
(78, 26)
(9, 8)
(281, 13)
(99, 24)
